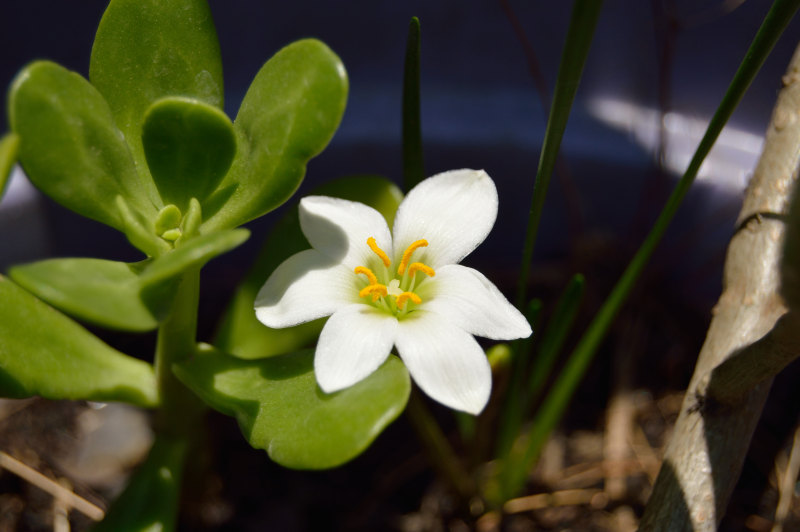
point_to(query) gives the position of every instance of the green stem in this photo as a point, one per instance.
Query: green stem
(439, 450)
(579, 38)
(556, 402)
(177, 338)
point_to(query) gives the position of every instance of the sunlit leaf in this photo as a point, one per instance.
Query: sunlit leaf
(189, 146)
(288, 116)
(281, 409)
(43, 352)
(241, 334)
(70, 147)
(103, 292)
(150, 501)
(145, 50)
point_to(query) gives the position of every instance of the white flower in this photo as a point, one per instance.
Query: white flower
(406, 291)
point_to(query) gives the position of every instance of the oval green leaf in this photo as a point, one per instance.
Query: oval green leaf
(44, 353)
(8, 157)
(145, 50)
(281, 409)
(192, 254)
(70, 147)
(241, 334)
(102, 292)
(189, 146)
(288, 116)
(150, 501)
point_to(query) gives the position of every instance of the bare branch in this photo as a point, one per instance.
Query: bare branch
(705, 456)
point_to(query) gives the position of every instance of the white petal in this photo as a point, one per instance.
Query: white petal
(306, 286)
(340, 229)
(445, 361)
(453, 211)
(470, 300)
(354, 342)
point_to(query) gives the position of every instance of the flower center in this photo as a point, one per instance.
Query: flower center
(394, 295)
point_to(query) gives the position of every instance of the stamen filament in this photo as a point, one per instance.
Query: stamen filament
(405, 296)
(379, 252)
(419, 267)
(366, 271)
(407, 254)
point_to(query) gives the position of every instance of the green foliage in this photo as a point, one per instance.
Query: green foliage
(9, 144)
(146, 50)
(281, 409)
(70, 146)
(241, 334)
(42, 352)
(195, 253)
(189, 146)
(102, 292)
(150, 501)
(288, 116)
(413, 161)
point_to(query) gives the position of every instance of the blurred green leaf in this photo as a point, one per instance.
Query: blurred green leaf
(241, 334)
(145, 50)
(43, 352)
(103, 292)
(9, 145)
(189, 146)
(281, 409)
(69, 145)
(192, 254)
(413, 162)
(288, 116)
(585, 14)
(554, 336)
(150, 501)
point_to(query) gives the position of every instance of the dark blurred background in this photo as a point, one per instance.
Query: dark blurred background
(479, 102)
(655, 74)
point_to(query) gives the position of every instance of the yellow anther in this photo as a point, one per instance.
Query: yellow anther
(366, 271)
(405, 296)
(378, 251)
(407, 255)
(419, 267)
(375, 290)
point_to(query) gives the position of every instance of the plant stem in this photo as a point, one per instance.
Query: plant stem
(441, 454)
(177, 337)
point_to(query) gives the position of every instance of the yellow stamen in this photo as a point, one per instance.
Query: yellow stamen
(407, 254)
(378, 251)
(419, 267)
(375, 290)
(405, 296)
(366, 271)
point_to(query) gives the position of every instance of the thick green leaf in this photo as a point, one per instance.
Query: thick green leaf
(241, 334)
(189, 146)
(103, 292)
(146, 50)
(192, 254)
(8, 156)
(288, 116)
(150, 501)
(281, 409)
(70, 147)
(43, 352)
